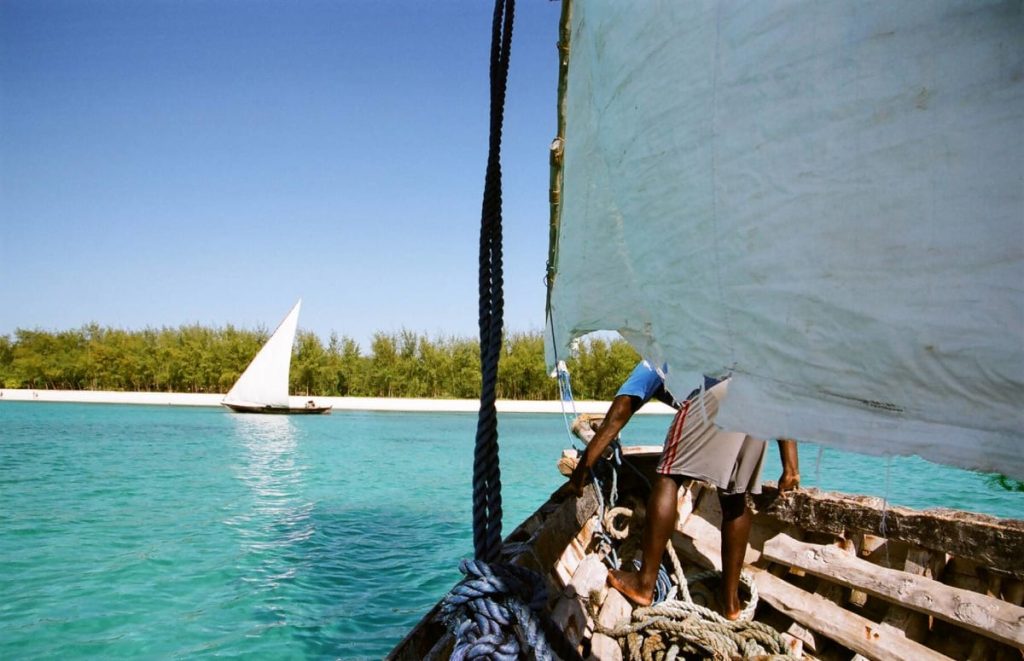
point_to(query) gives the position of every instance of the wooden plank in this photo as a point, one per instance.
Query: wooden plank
(914, 625)
(833, 591)
(853, 546)
(1013, 591)
(987, 540)
(442, 649)
(983, 648)
(857, 633)
(873, 640)
(795, 637)
(976, 612)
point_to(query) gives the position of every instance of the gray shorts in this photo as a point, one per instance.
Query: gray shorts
(696, 448)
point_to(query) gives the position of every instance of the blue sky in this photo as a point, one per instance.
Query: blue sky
(174, 162)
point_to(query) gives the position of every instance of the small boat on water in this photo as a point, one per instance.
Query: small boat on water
(263, 386)
(823, 201)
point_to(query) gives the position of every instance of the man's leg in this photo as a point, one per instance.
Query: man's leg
(736, 520)
(662, 510)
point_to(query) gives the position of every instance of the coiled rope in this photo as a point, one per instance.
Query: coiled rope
(680, 626)
(497, 611)
(677, 627)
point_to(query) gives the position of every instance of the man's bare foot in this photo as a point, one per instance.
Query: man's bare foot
(731, 607)
(628, 583)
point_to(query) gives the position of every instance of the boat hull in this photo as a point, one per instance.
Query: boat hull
(280, 410)
(837, 575)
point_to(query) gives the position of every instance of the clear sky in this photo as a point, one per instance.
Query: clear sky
(172, 162)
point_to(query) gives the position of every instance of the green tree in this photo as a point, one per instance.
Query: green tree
(195, 358)
(6, 361)
(310, 373)
(383, 368)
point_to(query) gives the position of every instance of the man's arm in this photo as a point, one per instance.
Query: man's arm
(790, 465)
(621, 410)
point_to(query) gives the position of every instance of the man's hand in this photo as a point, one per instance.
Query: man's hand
(790, 465)
(619, 413)
(789, 481)
(579, 478)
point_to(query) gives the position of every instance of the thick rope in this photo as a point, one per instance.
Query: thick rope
(694, 630)
(486, 472)
(680, 626)
(497, 611)
(490, 603)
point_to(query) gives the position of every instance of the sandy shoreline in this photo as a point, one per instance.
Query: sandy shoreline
(339, 403)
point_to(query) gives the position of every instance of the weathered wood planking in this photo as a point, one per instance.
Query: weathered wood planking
(988, 616)
(912, 623)
(873, 640)
(859, 634)
(992, 542)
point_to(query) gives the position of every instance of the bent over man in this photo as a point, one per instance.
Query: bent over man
(695, 448)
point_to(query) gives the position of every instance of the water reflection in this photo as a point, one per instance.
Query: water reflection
(269, 466)
(277, 517)
(292, 557)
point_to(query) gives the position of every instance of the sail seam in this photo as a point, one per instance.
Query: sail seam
(715, 188)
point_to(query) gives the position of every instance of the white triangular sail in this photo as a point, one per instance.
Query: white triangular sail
(265, 381)
(825, 199)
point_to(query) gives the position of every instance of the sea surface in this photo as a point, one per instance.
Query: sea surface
(164, 532)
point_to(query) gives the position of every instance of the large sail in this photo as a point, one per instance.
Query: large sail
(825, 199)
(265, 381)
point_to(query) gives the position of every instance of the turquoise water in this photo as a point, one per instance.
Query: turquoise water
(151, 532)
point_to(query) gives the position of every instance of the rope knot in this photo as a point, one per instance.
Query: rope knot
(495, 612)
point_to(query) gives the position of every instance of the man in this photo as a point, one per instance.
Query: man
(694, 449)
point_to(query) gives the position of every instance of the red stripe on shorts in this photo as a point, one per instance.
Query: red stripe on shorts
(675, 434)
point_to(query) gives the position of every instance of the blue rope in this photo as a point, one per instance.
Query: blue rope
(486, 472)
(565, 393)
(498, 612)
(663, 585)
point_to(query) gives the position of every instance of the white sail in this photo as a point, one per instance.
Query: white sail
(265, 381)
(825, 199)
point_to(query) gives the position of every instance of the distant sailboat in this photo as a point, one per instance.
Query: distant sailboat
(263, 386)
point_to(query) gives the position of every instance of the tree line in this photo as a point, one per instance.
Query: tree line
(199, 359)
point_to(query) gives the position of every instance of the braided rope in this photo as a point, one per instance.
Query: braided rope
(486, 472)
(496, 613)
(611, 515)
(697, 630)
(669, 628)
(605, 544)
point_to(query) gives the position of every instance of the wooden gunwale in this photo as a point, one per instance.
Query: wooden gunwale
(989, 617)
(820, 606)
(987, 540)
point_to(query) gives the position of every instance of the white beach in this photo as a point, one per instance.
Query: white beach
(339, 403)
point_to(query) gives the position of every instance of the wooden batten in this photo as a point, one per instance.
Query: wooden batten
(442, 650)
(857, 633)
(812, 611)
(914, 625)
(979, 613)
